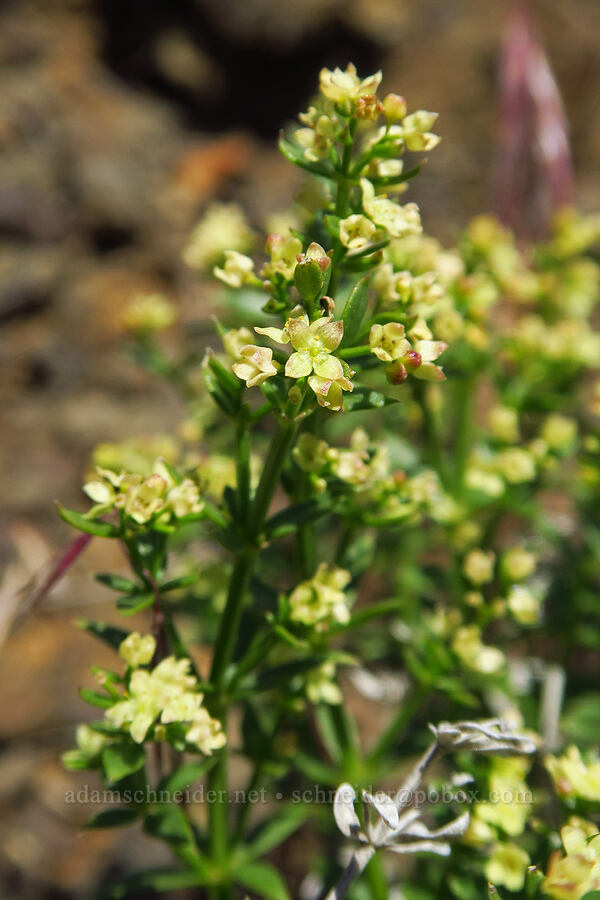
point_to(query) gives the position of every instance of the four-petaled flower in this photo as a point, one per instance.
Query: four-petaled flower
(321, 599)
(255, 364)
(236, 270)
(340, 86)
(356, 231)
(388, 342)
(397, 220)
(313, 344)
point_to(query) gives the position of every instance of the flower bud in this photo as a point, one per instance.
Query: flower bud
(294, 395)
(368, 107)
(396, 373)
(308, 278)
(394, 107)
(478, 566)
(412, 360)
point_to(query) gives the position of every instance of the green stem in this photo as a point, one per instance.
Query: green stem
(408, 709)
(376, 878)
(242, 463)
(253, 783)
(463, 429)
(433, 445)
(341, 209)
(231, 615)
(281, 443)
(228, 631)
(353, 352)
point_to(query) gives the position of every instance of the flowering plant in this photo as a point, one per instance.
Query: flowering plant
(377, 533)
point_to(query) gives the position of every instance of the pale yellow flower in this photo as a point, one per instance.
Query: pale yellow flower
(478, 566)
(143, 501)
(523, 605)
(154, 694)
(205, 732)
(148, 312)
(573, 777)
(576, 874)
(476, 655)
(313, 344)
(392, 287)
(88, 741)
(428, 351)
(394, 107)
(283, 252)
(321, 599)
(356, 231)
(236, 271)
(397, 220)
(310, 453)
(341, 86)
(516, 465)
(137, 650)
(184, 499)
(503, 422)
(223, 227)
(388, 342)
(518, 563)
(321, 686)
(318, 137)
(507, 866)
(235, 339)
(417, 132)
(329, 393)
(559, 432)
(255, 365)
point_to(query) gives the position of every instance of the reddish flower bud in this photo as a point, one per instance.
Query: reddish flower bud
(396, 373)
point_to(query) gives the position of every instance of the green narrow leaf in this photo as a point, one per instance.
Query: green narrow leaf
(95, 699)
(328, 732)
(107, 633)
(264, 880)
(186, 775)
(364, 398)
(176, 583)
(297, 515)
(317, 770)
(75, 760)
(354, 311)
(295, 155)
(113, 818)
(168, 823)
(277, 830)
(281, 675)
(154, 879)
(89, 526)
(133, 603)
(119, 583)
(122, 758)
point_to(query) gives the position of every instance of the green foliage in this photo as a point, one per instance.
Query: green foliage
(383, 514)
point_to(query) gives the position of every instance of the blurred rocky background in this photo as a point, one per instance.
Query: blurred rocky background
(119, 122)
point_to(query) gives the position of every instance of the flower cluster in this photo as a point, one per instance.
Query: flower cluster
(147, 313)
(321, 600)
(414, 353)
(223, 227)
(313, 357)
(160, 496)
(164, 695)
(575, 874)
(573, 777)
